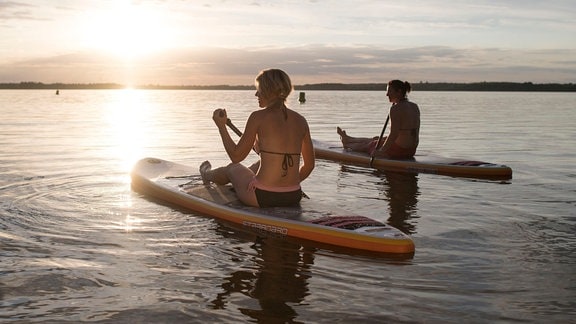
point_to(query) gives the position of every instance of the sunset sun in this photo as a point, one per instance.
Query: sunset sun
(127, 30)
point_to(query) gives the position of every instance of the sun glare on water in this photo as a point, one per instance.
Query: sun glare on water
(127, 30)
(130, 123)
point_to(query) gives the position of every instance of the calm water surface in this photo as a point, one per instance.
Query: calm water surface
(76, 244)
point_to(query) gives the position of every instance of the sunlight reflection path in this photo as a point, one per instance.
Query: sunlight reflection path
(130, 119)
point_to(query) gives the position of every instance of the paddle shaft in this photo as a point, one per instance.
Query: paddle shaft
(379, 140)
(236, 130)
(239, 133)
(233, 127)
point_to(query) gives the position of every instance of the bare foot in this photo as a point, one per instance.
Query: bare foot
(343, 136)
(205, 167)
(341, 132)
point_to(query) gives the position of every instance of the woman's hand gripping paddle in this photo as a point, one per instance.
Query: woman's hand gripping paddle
(239, 133)
(379, 140)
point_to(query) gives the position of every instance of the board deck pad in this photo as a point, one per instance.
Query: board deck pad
(421, 163)
(226, 195)
(312, 221)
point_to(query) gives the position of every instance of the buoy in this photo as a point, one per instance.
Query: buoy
(302, 97)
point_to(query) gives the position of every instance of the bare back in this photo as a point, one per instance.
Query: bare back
(407, 117)
(280, 141)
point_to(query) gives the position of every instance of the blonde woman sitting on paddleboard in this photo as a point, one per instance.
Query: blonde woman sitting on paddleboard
(280, 135)
(402, 141)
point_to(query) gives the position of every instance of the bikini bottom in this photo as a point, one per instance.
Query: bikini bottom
(395, 151)
(398, 152)
(268, 196)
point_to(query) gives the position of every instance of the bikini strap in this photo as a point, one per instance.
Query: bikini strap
(279, 153)
(287, 162)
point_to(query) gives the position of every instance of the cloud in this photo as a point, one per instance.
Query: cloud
(226, 41)
(16, 11)
(306, 64)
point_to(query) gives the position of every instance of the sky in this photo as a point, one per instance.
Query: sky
(213, 42)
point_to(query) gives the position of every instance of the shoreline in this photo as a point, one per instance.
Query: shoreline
(419, 86)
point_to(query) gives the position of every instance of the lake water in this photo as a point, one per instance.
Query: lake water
(77, 244)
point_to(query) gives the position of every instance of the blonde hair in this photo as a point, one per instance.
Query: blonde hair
(274, 82)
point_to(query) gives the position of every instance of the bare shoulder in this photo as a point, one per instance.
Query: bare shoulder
(297, 115)
(407, 106)
(257, 113)
(257, 116)
(412, 104)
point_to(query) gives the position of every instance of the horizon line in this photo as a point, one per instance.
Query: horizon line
(418, 86)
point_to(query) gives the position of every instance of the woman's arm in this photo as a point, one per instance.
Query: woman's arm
(308, 158)
(236, 152)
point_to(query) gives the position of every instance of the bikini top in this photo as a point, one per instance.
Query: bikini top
(286, 162)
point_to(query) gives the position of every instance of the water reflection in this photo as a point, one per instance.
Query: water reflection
(131, 126)
(280, 278)
(400, 190)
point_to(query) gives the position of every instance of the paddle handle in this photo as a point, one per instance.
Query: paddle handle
(229, 124)
(233, 127)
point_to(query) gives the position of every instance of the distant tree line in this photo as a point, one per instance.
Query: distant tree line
(435, 86)
(420, 86)
(55, 86)
(494, 86)
(104, 86)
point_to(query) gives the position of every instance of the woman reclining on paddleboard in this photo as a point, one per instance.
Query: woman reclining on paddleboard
(280, 135)
(402, 141)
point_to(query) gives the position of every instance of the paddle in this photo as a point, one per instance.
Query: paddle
(379, 140)
(236, 130)
(239, 133)
(233, 127)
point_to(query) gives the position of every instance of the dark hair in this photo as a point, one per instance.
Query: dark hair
(403, 86)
